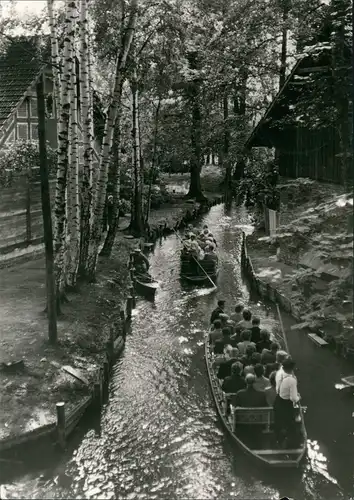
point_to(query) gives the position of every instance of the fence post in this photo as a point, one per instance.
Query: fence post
(61, 423)
(129, 307)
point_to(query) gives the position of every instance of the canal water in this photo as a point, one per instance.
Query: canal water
(159, 434)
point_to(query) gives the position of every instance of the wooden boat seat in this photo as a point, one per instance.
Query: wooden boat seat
(263, 416)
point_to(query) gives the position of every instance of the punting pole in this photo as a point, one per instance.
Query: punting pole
(201, 267)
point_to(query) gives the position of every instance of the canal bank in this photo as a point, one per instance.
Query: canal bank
(159, 435)
(38, 378)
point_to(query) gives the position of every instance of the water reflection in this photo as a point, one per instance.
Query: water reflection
(160, 435)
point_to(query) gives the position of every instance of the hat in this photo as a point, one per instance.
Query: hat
(288, 363)
(221, 302)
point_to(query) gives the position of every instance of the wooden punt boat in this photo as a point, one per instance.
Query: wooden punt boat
(250, 428)
(193, 273)
(145, 286)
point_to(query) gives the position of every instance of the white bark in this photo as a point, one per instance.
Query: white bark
(73, 172)
(54, 55)
(99, 194)
(87, 130)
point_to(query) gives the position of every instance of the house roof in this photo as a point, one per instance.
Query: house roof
(287, 95)
(19, 68)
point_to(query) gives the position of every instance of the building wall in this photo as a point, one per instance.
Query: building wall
(313, 154)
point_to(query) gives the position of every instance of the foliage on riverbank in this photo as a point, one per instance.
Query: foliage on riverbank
(315, 239)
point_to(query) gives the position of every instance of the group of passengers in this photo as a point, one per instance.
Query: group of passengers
(252, 369)
(200, 244)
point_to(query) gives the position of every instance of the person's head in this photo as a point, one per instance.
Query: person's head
(280, 356)
(205, 231)
(259, 370)
(256, 321)
(228, 350)
(274, 347)
(248, 369)
(224, 319)
(247, 315)
(272, 378)
(246, 335)
(265, 335)
(226, 332)
(236, 368)
(256, 358)
(288, 364)
(217, 324)
(190, 227)
(250, 379)
(234, 352)
(205, 227)
(221, 304)
(219, 347)
(239, 308)
(192, 237)
(250, 349)
(211, 236)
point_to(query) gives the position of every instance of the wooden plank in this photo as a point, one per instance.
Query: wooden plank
(304, 71)
(317, 340)
(278, 452)
(348, 380)
(76, 374)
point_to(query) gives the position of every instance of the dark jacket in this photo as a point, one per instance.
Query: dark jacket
(268, 357)
(263, 344)
(233, 384)
(249, 398)
(215, 314)
(256, 334)
(225, 368)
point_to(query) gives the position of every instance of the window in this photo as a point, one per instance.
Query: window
(22, 110)
(34, 131)
(34, 107)
(22, 131)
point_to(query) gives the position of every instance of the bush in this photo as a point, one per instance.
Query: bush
(22, 157)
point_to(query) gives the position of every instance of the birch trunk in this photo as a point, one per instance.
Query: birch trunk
(112, 230)
(63, 161)
(54, 55)
(73, 177)
(87, 135)
(153, 161)
(136, 223)
(99, 194)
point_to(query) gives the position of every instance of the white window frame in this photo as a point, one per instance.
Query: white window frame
(11, 138)
(33, 99)
(19, 111)
(18, 131)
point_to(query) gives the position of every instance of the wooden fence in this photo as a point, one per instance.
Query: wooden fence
(21, 221)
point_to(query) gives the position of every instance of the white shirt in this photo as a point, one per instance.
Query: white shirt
(237, 317)
(288, 388)
(278, 378)
(247, 325)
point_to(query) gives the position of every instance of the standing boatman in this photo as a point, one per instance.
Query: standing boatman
(217, 311)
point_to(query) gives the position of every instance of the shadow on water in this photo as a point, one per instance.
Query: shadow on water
(159, 434)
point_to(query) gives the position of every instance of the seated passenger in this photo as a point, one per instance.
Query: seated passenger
(219, 355)
(250, 350)
(248, 369)
(217, 311)
(235, 381)
(270, 392)
(265, 341)
(249, 397)
(237, 336)
(237, 315)
(216, 332)
(255, 358)
(246, 336)
(269, 368)
(231, 356)
(224, 318)
(246, 322)
(256, 331)
(269, 355)
(226, 336)
(261, 382)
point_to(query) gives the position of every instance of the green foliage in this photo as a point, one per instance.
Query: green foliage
(20, 158)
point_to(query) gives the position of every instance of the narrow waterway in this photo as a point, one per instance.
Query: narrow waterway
(159, 435)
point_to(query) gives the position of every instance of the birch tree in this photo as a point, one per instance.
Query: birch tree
(87, 134)
(100, 185)
(73, 205)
